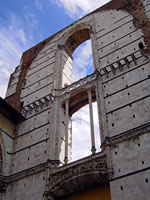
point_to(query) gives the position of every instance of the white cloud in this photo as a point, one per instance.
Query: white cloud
(3, 87)
(39, 5)
(13, 41)
(1, 63)
(83, 61)
(5, 72)
(30, 18)
(81, 137)
(78, 8)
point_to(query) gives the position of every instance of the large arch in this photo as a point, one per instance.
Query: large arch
(68, 42)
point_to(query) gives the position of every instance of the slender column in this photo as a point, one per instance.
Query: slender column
(99, 115)
(66, 129)
(91, 122)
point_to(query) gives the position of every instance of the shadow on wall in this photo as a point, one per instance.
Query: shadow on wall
(0, 160)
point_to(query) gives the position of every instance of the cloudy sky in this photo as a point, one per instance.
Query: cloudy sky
(25, 23)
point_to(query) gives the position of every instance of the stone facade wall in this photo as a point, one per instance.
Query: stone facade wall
(41, 85)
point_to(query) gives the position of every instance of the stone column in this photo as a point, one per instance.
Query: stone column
(91, 122)
(98, 112)
(66, 129)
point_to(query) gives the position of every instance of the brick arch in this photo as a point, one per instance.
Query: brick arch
(0, 160)
(79, 99)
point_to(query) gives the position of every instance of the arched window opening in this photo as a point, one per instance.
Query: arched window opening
(76, 57)
(82, 61)
(81, 136)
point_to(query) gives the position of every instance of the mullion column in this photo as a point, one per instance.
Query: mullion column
(66, 129)
(91, 122)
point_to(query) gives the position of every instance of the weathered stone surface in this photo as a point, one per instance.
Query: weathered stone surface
(42, 84)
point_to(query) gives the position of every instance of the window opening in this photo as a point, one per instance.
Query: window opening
(141, 46)
(82, 61)
(81, 138)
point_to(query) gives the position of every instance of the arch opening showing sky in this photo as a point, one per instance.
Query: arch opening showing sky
(81, 139)
(82, 61)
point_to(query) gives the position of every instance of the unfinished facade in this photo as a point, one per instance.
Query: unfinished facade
(41, 88)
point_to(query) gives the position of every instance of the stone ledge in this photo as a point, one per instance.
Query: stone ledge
(128, 135)
(81, 175)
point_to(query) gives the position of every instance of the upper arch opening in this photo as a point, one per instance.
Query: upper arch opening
(75, 39)
(77, 51)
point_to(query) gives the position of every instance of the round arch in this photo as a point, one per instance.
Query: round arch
(75, 36)
(79, 99)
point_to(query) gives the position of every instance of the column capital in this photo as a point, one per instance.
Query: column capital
(91, 31)
(67, 100)
(89, 89)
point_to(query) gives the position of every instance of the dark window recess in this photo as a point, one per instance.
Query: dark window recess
(121, 187)
(141, 46)
(146, 180)
(22, 103)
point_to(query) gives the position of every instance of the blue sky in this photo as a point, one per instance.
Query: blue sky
(24, 23)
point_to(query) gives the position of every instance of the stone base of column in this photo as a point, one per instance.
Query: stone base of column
(93, 150)
(66, 160)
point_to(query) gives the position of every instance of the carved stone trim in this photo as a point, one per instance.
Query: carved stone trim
(77, 177)
(131, 134)
(38, 104)
(52, 164)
